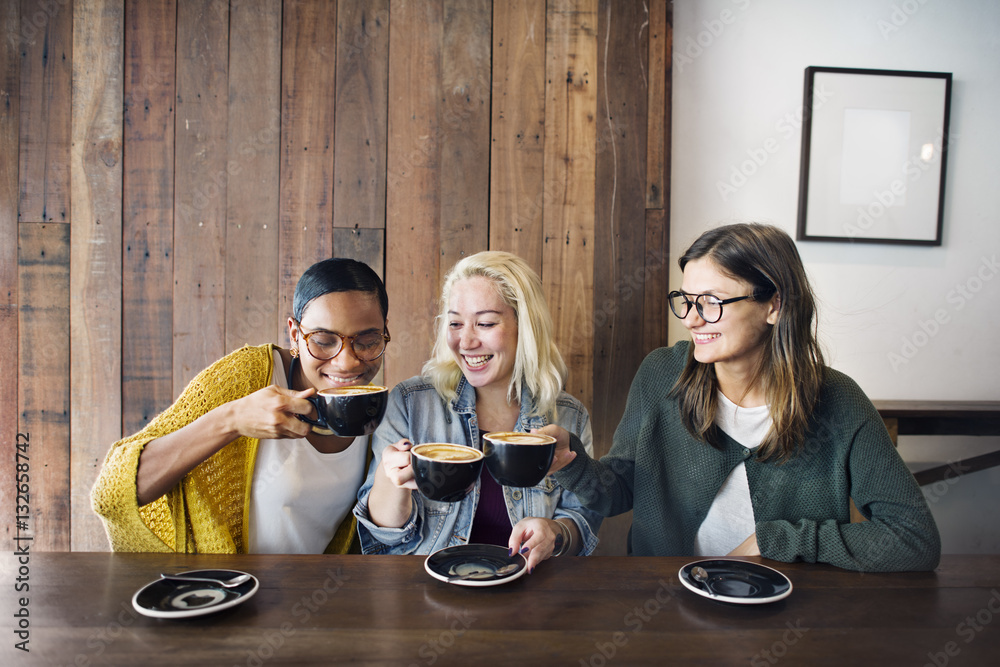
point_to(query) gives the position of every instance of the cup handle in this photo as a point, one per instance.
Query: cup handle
(322, 422)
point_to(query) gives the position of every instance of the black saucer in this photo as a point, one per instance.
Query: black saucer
(170, 598)
(479, 560)
(737, 581)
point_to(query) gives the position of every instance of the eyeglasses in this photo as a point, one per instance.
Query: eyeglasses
(326, 345)
(709, 306)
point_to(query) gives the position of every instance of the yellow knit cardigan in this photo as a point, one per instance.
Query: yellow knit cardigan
(208, 511)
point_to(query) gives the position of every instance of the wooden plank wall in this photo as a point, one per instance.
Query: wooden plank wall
(200, 186)
(308, 103)
(148, 210)
(45, 46)
(168, 168)
(10, 118)
(413, 203)
(95, 253)
(252, 168)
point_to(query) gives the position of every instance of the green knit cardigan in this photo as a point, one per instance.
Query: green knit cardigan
(801, 508)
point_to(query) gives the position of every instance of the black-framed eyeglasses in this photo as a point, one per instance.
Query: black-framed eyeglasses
(709, 306)
(326, 345)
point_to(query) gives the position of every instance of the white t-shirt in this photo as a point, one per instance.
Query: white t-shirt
(730, 519)
(299, 496)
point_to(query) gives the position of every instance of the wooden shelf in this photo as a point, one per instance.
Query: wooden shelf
(944, 418)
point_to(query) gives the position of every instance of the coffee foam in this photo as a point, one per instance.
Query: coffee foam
(447, 452)
(520, 438)
(353, 391)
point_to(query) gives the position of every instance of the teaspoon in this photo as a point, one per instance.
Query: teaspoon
(701, 576)
(225, 583)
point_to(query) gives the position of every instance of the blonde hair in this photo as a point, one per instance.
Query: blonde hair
(537, 364)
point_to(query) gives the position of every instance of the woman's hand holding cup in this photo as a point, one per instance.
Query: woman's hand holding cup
(391, 501)
(396, 464)
(269, 413)
(563, 455)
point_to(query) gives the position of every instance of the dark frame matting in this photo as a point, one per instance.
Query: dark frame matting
(874, 153)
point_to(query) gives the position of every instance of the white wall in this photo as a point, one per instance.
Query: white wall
(738, 83)
(745, 88)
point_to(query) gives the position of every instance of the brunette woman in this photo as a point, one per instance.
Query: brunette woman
(740, 441)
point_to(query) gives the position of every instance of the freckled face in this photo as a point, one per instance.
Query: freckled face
(345, 313)
(739, 337)
(482, 332)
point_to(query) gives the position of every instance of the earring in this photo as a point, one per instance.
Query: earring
(294, 352)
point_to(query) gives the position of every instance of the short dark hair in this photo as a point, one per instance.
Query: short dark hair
(337, 274)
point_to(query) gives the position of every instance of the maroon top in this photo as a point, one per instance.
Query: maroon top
(491, 525)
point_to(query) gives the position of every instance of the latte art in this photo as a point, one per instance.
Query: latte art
(442, 452)
(352, 391)
(445, 472)
(520, 438)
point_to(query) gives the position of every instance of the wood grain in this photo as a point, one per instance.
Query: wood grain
(911, 409)
(200, 188)
(43, 390)
(892, 426)
(46, 73)
(10, 68)
(517, 157)
(384, 610)
(148, 211)
(656, 262)
(362, 108)
(620, 235)
(470, 124)
(658, 105)
(96, 254)
(364, 245)
(570, 163)
(413, 198)
(464, 125)
(254, 140)
(359, 193)
(308, 100)
(950, 472)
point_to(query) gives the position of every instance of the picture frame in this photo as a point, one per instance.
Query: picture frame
(874, 154)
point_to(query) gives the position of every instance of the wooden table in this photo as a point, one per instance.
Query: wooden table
(940, 417)
(596, 611)
(944, 418)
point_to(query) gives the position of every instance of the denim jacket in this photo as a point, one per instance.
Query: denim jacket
(417, 413)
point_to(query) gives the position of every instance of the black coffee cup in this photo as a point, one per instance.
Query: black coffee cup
(445, 472)
(348, 411)
(518, 459)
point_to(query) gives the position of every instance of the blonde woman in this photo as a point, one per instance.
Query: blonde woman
(740, 441)
(494, 367)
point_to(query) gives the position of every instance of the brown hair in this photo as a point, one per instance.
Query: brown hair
(791, 367)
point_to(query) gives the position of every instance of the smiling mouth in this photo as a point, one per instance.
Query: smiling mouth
(478, 361)
(705, 338)
(343, 381)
